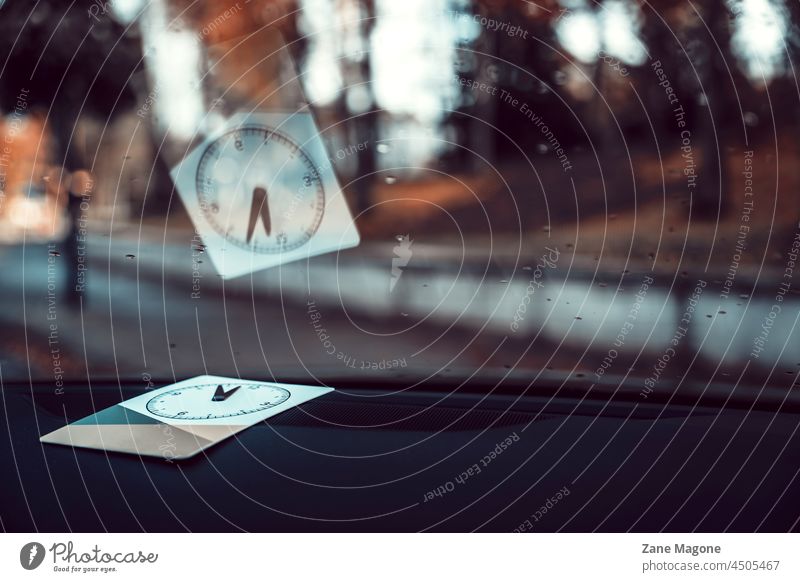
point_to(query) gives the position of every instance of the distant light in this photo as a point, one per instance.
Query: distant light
(615, 29)
(358, 99)
(759, 30)
(174, 59)
(578, 33)
(124, 10)
(321, 70)
(413, 51)
(621, 28)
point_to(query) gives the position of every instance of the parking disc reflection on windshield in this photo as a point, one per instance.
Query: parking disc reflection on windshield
(261, 192)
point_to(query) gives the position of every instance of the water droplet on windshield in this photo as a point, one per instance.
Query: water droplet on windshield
(383, 148)
(54, 254)
(750, 119)
(130, 256)
(390, 179)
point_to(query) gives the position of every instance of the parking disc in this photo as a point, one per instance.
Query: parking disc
(261, 192)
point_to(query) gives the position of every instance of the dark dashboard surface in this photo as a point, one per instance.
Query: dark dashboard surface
(367, 460)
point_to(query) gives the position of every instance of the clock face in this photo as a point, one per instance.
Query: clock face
(260, 190)
(210, 401)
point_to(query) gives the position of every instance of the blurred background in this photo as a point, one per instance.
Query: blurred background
(548, 193)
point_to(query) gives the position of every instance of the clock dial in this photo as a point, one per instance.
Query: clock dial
(209, 401)
(260, 190)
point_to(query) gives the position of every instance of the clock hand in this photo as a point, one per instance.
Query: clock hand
(259, 204)
(220, 395)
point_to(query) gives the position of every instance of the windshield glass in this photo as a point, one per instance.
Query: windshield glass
(553, 193)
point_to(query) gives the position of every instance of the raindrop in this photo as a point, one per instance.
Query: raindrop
(560, 77)
(527, 268)
(541, 148)
(130, 256)
(383, 148)
(404, 314)
(390, 179)
(54, 254)
(172, 345)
